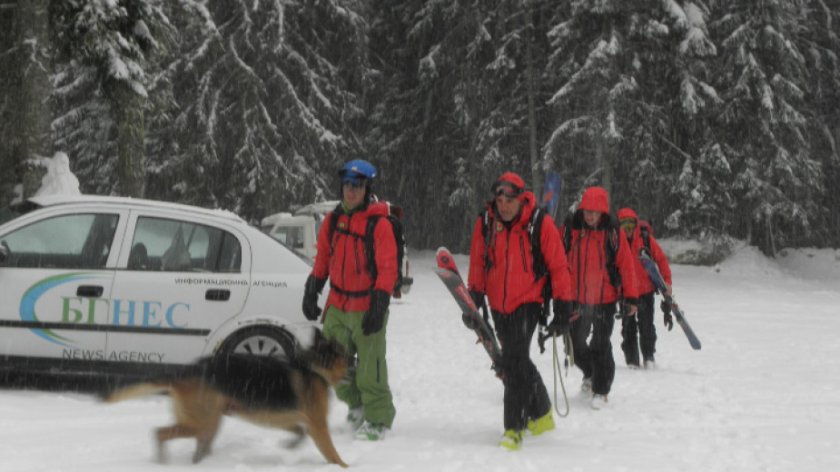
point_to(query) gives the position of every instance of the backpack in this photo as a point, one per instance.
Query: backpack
(645, 231)
(611, 242)
(395, 218)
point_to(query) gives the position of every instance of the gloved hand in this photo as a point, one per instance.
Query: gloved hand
(480, 305)
(668, 319)
(562, 314)
(313, 287)
(374, 319)
(478, 299)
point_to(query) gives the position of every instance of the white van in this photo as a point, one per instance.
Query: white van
(299, 231)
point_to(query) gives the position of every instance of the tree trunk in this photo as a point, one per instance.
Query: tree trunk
(29, 131)
(536, 168)
(128, 111)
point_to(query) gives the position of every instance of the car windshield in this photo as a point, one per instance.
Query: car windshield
(302, 257)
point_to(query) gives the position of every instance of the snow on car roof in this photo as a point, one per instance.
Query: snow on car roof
(55, 200)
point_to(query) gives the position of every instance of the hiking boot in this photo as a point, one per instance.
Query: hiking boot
(371, 431)
(599, 401)
(586, 386)
(542, 424)
(355, 417)
(511, 440)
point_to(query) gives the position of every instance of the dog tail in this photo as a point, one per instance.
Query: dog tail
(137, 390)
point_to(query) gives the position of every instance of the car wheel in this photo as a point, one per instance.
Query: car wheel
(261, 341)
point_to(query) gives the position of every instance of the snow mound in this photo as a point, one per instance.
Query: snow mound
(811, 263)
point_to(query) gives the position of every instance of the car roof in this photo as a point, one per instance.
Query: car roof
(58, 200)
(318, 208)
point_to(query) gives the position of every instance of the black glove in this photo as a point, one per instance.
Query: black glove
(313, 287)
(560, 323)
(478, 300)
(375, 317)
(668, 319)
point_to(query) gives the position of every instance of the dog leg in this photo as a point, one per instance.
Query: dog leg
(202, 448)
(166, 433)
(320, 434)
(300, 434)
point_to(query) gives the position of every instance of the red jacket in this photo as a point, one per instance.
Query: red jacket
(345, 261)
(509, 282)
(588, 259)
(637, 243)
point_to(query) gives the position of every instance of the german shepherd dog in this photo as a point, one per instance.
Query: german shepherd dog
(290, 394)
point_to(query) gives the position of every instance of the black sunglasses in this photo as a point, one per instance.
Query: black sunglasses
(506, 189)
(355, 184)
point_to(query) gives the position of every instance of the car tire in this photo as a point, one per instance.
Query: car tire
(261, 341)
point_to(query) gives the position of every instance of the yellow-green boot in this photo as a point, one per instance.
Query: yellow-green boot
(511, 440)
(542, 424)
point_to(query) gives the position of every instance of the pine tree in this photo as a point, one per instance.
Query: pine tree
(764, 83)
(268, 98)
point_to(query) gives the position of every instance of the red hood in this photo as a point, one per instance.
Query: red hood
(595, 199)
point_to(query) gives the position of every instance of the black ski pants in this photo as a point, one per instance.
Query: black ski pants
(525, 394)
(595, 357)
(642, 324)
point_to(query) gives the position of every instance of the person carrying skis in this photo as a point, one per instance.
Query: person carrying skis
(505, 268)
(602, 273)
(356, 312)
(640, 238)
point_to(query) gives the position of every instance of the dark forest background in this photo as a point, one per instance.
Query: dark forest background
(715, 119)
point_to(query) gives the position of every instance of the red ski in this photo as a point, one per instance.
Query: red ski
(448, 273)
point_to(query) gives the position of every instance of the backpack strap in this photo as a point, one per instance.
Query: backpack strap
(611, 245)
(644, 231)
(369, 248)
(487, 231)
(534, 231)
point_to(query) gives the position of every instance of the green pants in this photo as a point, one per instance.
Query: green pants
(368, 383)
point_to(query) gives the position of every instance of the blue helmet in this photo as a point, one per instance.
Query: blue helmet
(356, 170)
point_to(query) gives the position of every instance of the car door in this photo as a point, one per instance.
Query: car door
(55, 282)
(183, 277)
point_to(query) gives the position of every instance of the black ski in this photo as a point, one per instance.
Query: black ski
(655, 277)
(448, 273)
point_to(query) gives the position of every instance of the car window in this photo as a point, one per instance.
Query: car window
(291, 236)
(80, 241)
(173, 245)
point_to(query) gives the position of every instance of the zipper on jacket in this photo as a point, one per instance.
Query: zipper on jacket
(522, 252)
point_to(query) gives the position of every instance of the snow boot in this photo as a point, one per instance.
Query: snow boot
(355, 417)
(586, 386)
(542, 424)
(371, 431)
(511, 440)
(650, 363)
(599, 401)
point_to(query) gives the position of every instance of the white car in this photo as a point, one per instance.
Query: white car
(92, 284)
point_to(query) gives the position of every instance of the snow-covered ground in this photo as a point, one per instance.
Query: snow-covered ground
(762, 395)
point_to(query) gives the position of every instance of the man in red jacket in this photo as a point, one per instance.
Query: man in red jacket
(640, 238)
(360, 292)
(602, 273)
(505, 267)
